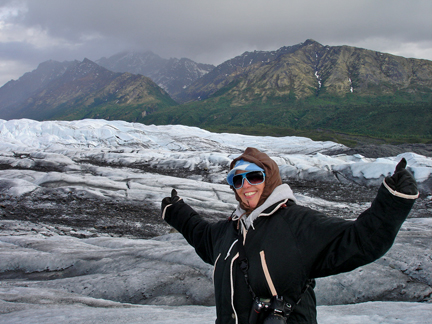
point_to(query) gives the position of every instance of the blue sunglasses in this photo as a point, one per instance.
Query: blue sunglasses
(253, 177)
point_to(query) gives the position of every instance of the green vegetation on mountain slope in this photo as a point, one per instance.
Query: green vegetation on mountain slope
(395, 118)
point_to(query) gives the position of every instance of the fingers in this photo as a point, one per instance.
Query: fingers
(401, 165)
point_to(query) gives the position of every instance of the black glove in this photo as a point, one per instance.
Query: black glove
(402, 180)
(169, 200)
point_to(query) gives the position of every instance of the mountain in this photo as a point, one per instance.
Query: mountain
(309, 68)
(229, 71)
(313, 88)
(173, 75)
(76, 90)
(338, 93)
(16, 91)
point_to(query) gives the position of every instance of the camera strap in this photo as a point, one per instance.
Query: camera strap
(243, 262)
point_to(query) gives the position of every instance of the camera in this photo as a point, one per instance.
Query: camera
(269, 311)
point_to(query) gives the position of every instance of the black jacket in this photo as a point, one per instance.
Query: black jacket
(295, 243)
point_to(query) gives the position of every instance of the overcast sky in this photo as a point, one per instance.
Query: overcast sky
(206, 31)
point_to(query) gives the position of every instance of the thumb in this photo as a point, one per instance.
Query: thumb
(401, 165)
(173, 193)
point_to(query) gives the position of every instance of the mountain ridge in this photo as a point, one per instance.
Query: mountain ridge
(76, 90)
(173, 75)
(226, 72)
(316, 91)
(309, 67)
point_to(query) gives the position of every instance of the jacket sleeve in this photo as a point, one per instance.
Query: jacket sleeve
(341, 246)
(198, 232)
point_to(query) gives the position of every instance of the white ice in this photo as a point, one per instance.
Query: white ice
(25, 143)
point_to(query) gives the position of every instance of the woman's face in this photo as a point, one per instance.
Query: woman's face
(250, 194)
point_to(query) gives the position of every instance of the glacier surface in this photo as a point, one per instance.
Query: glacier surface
(66, 188)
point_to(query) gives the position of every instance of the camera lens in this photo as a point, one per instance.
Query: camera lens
(275, 319)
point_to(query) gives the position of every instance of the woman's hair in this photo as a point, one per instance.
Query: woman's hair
(272, 179)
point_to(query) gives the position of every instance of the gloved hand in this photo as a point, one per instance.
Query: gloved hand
(402, 180)
(169, 200)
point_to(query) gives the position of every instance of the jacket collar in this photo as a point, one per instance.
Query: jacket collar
(278, 197)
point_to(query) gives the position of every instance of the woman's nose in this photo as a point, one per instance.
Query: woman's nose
(246, 183)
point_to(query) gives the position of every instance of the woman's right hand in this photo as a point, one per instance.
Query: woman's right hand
(167, 201)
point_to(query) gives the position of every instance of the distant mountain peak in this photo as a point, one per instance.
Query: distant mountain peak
(311, 41)
(87, 61)
(173, 75)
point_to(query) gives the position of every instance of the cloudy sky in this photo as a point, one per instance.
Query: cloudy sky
(207, 31)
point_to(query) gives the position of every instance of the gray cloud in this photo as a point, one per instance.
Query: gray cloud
(208, 31)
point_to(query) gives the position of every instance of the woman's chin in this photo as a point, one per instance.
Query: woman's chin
(250, 203)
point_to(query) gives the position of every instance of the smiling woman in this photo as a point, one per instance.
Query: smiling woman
(267, 255)
(250, 191)
(248, 180)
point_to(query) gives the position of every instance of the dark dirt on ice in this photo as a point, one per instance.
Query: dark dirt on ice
(82, 216)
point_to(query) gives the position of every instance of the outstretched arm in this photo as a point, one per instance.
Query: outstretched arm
(349, 245)
(198, 232)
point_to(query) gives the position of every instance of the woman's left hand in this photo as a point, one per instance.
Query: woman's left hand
(402, 180)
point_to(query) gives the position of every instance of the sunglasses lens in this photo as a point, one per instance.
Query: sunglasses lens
(254, 178)
(238, 181)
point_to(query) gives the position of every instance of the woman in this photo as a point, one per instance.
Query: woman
(268, 252)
